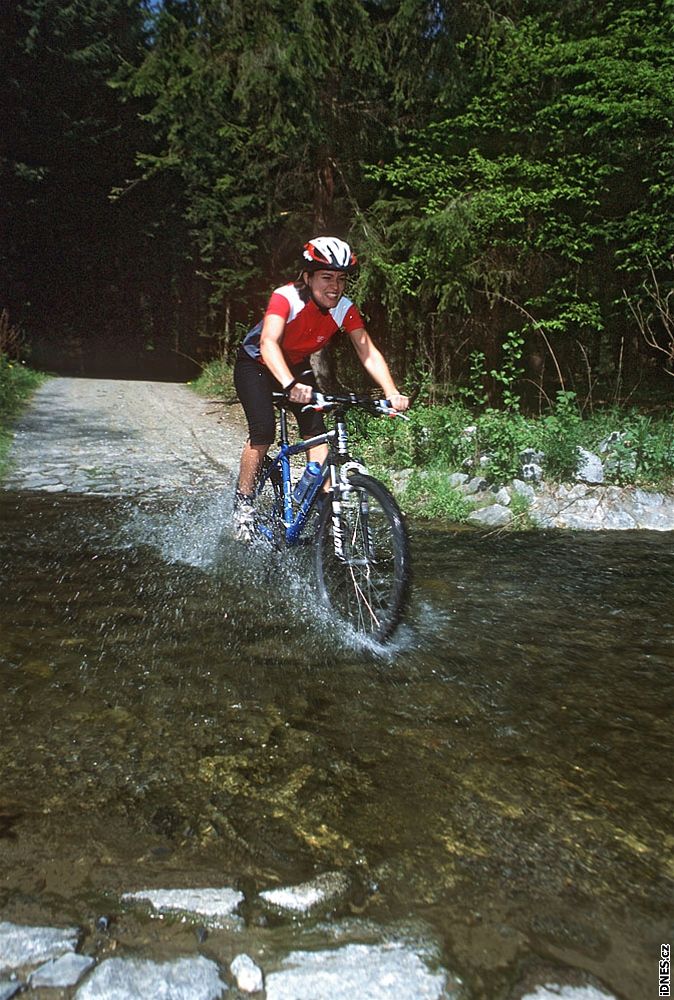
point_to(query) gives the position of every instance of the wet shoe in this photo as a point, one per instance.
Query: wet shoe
(244, 520)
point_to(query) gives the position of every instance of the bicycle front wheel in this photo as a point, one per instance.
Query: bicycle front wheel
(364, 576)
(269, 505)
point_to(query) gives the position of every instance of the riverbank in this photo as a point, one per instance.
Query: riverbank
(613, 470)
(522, 505)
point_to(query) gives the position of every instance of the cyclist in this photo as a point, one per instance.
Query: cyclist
(301, 317)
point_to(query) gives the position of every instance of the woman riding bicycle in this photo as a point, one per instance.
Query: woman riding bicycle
(300, 319)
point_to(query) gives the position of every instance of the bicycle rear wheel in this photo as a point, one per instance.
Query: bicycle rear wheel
(269, 505)
(367, 586)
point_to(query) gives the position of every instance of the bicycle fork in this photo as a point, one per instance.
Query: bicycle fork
(361, 525)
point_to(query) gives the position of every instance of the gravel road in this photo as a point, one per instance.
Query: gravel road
(118, 438)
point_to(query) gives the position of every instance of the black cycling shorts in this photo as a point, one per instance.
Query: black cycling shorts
(255, 384)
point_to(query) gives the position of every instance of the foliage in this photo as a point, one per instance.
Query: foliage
(532, 208)
(519, 507)
(265, 126)
(71, 260)
(430, 496)
(17, 382)
(215, 379)
(635, 448)
(504, 169)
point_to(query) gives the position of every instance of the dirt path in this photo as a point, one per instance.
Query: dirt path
(112, 438)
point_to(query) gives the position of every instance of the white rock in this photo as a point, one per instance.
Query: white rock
(20, 945)
(63, 971)
(378, 972)
(458, 479)
(589, 468)
(532, 471)
(9, 988)
(212, 903)
(474, 485)
(531, 455)
(649, 499)
(139, 979)
(552, 992)
(248, 975)
(494, 516)
(400, 479)
(524, 489)
(320, 891)
(613, 438)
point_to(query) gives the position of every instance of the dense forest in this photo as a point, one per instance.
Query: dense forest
(504, 170)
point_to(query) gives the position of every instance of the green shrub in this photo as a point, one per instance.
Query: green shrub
(451, 438)
(431, 496)
(17, 382)
(215, 379)
(502, 435)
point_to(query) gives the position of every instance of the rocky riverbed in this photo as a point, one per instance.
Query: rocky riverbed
(335, 959)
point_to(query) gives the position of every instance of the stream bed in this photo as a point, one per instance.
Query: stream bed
(176, 711)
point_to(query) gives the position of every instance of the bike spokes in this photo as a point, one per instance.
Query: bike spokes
(366, 584)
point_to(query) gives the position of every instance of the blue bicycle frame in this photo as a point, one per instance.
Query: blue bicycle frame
(278, 468)
(294, 522)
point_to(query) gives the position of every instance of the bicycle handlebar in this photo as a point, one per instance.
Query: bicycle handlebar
(325, 402)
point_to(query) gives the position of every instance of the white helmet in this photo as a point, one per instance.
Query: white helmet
(327, 253)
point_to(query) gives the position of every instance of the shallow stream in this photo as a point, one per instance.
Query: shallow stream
(176, 712)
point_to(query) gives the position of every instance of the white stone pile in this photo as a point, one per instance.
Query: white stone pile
(351, 958)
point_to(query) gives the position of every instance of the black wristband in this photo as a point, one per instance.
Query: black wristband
(288, 387)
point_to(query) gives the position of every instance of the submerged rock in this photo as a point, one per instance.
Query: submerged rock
(216, 904)
(553, 992)
(140, 979)
(63, 971)
(323, 891)
(20, 945)
(379, 972)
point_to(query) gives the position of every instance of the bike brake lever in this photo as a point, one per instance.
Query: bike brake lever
(386, 409)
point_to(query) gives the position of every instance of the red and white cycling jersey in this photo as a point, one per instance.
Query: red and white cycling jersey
(307, 328)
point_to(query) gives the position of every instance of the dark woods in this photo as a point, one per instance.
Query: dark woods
(504, 170)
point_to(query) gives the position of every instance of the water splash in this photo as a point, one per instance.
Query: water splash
(278, 585)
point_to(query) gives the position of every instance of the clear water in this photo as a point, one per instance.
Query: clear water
(175, 711)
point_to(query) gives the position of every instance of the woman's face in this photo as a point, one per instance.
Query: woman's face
(326, 287)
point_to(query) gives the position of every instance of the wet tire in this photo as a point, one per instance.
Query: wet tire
(367, 588)
(269, 505)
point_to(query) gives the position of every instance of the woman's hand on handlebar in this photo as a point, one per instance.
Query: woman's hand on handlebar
(300, 393)
(399, 402)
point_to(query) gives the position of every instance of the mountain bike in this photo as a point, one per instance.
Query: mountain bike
(361, 548)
